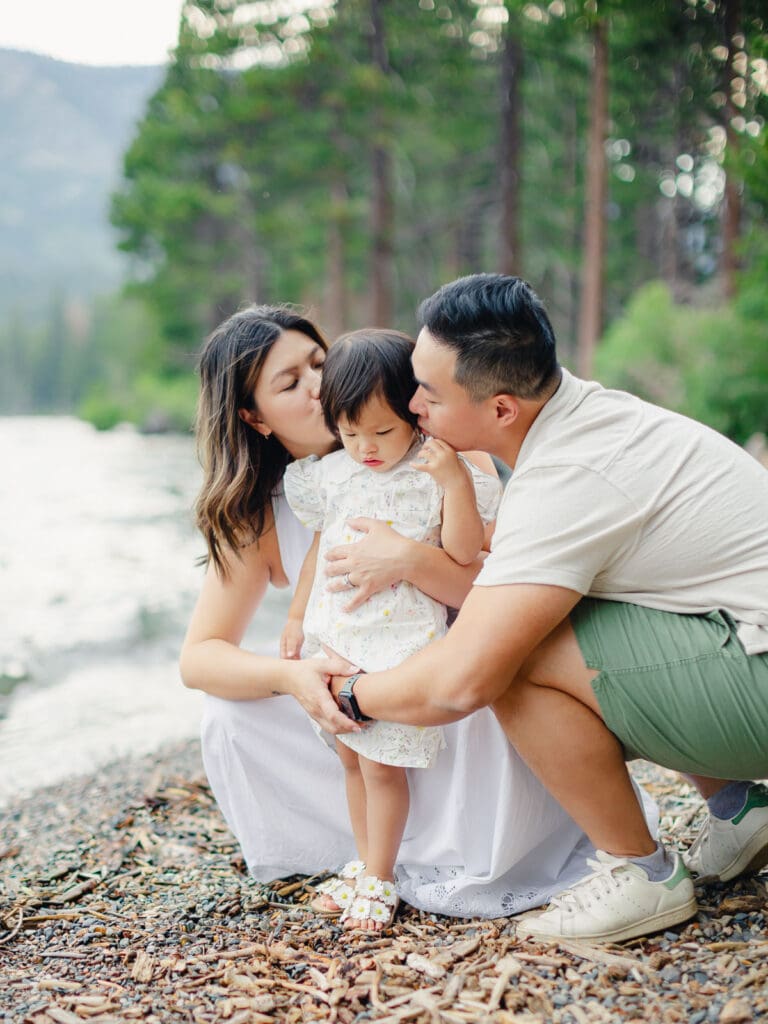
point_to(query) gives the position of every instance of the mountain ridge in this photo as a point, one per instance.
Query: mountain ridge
(63, 130)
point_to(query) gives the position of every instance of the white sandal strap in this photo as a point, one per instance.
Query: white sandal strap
(363, 909)
(375, 899)
(353, 869)
(344, 879)
(374, 888)
(341, 892)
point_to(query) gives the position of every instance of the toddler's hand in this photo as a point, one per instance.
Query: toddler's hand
(441, 462)
(291, 640)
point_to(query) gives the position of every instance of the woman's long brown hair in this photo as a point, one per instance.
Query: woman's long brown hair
(241, 468)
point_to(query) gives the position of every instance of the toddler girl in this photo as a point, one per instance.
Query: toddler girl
(425, 491)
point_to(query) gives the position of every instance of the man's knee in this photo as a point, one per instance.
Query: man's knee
(516, 705)
(558, 664)
(534, 706)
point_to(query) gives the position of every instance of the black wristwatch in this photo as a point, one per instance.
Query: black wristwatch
(348, 702)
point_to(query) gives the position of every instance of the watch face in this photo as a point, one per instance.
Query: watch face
(348, 702)
(345, 705)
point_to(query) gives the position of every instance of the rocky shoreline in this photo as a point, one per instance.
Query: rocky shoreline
(123, 897)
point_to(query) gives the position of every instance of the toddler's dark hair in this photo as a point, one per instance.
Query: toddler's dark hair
(363, 364)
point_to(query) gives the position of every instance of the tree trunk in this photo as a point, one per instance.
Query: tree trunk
(336, 312)
(591, 310)
(570, 283)
(510, 151)
(382, 201)
(252, 258)
(670, 210)
(466, 253)
(731, 209)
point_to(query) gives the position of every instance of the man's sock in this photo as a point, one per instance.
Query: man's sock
(657, 865)
(729, 800)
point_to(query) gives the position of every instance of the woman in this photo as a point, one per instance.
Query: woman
(483, 837)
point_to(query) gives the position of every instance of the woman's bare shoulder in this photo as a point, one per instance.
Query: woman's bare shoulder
(229, 597)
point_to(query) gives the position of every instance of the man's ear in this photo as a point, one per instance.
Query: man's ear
(506, 409)
(252, 418)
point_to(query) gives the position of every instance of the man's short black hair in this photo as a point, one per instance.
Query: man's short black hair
(363, 364)
(501, 334)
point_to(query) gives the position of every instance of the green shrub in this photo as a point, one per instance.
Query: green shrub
(708, 363)
(153, 403)
(102, 408)
(166, 403)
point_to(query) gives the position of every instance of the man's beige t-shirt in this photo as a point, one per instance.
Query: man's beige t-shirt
(622, 500)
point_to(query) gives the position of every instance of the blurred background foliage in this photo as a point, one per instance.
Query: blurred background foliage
(352, 156)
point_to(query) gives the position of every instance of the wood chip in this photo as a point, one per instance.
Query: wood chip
(425, 965)
(143, 967)
(63, 1016)
(59, 985)
(597, 955)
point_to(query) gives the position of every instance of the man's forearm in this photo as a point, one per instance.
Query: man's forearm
(445, 681)
(435, 573)
(474, 664)
(420, 691)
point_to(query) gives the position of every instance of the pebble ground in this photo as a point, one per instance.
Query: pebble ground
(123, 897)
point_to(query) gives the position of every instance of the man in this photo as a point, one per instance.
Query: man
(622, 612)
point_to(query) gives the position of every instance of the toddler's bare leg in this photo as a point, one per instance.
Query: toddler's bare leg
(387, 803)
(355, 786)
(356, 796)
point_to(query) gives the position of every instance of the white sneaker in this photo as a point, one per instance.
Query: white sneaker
(617, 902)
(735, 846)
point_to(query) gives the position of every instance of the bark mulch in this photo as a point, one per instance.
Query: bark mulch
(123, 898)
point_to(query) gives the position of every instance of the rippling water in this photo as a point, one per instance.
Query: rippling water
(97, 555)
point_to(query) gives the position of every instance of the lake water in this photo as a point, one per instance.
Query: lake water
(98, 559)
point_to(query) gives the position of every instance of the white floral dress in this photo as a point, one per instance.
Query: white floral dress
(324, 494)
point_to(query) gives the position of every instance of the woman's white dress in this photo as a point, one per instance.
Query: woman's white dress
(483, 838)
(325, 494)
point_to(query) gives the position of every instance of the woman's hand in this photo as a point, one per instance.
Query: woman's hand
(372, 564)
(311, 688)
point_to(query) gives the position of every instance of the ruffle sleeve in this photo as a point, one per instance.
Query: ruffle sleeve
(305, 491)
(488, 491)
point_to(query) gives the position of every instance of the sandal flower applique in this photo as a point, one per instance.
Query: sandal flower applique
(336, 894)
(375, 900)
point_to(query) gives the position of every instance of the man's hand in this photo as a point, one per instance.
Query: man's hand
(374, 563)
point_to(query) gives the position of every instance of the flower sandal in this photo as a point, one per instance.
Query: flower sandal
(339, 890)
(374, 900)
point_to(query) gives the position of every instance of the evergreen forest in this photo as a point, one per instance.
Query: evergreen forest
(352, 156)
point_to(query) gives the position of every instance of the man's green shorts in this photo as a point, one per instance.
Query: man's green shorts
(678, 690)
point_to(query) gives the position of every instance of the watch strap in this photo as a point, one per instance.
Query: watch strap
(347, 691)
